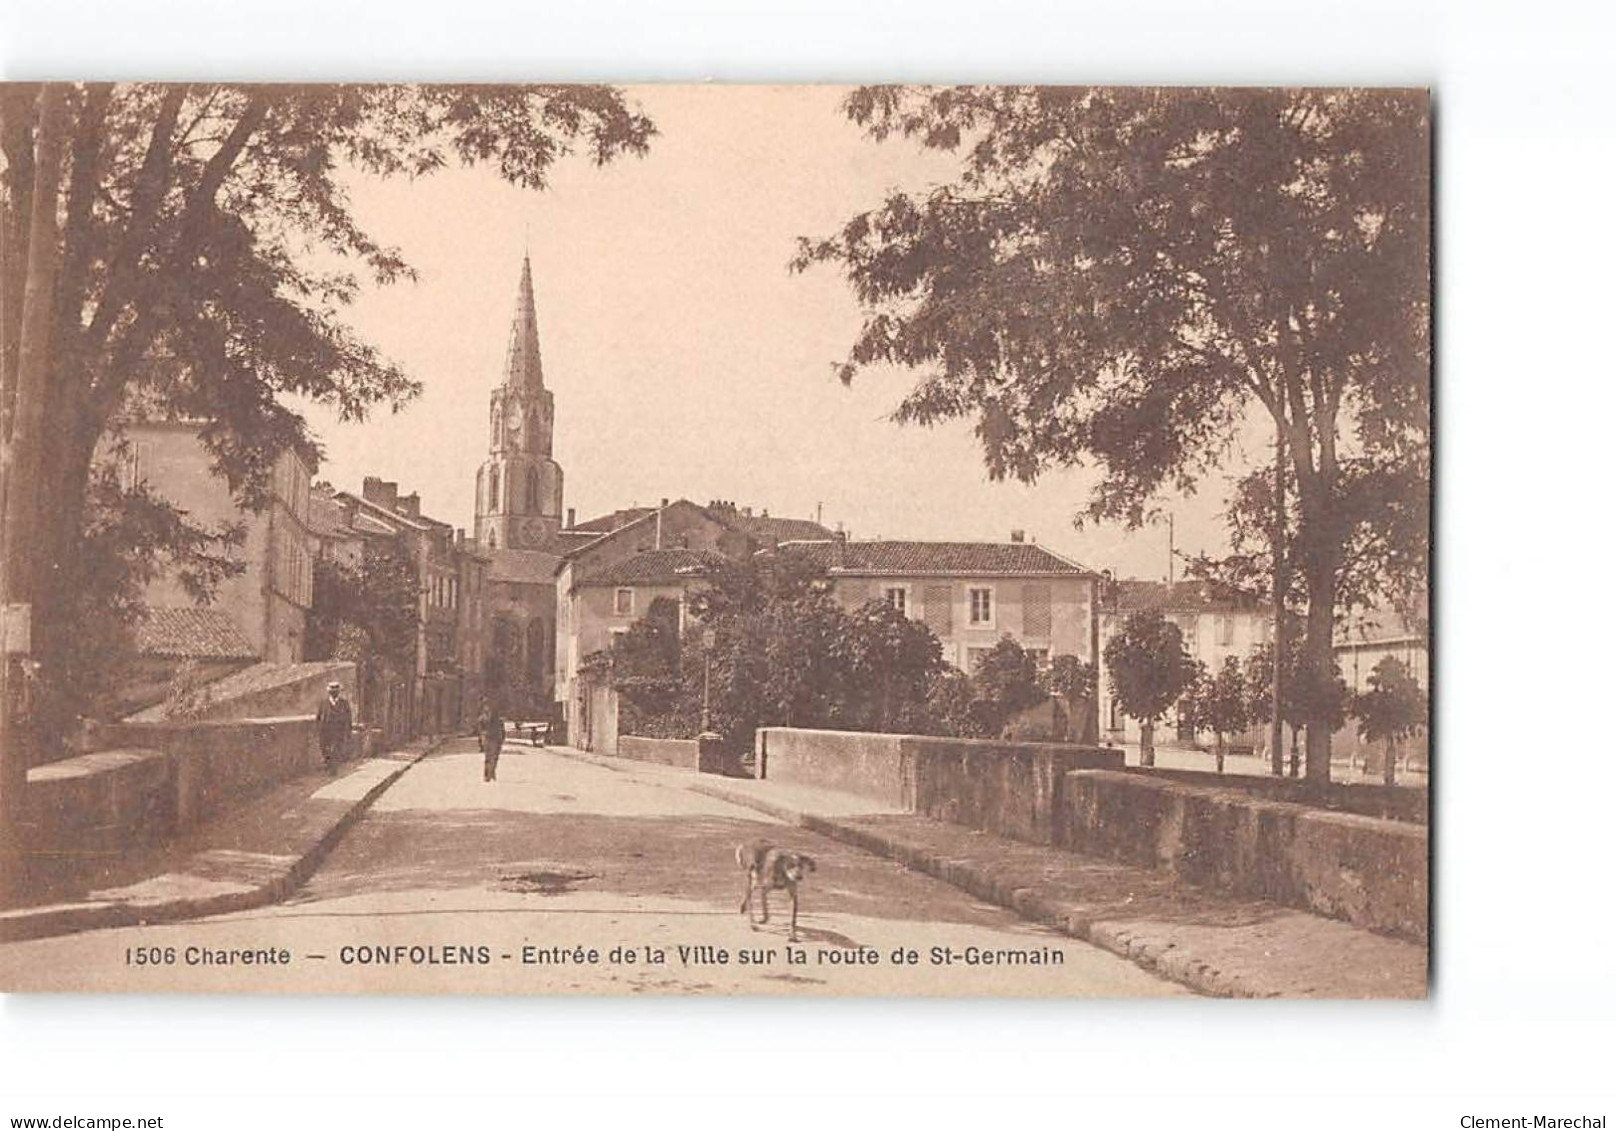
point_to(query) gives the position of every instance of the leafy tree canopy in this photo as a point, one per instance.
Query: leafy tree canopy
(1150, 669)
(379, 598)
(1121, 276)
(1393, 707)
(197, 248)
(1068, 676)
(1219, 702)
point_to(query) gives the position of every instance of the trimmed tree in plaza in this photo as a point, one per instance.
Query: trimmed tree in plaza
(1220, 703)
(1003, 684)
(1392, 709)
(1150, 671)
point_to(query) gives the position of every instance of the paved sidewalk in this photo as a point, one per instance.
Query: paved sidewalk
(1216, 944)
(254, 855)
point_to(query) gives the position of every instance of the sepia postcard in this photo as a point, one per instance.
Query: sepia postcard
(792, 540)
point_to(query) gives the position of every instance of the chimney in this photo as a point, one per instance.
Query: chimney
(664, 500)
(1018, 536)
(572, 517)
(746, 512)
(410, 504)
(382, 492)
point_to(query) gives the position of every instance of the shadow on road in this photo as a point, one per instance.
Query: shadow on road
(687, 858)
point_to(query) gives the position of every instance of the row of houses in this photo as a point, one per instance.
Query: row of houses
(510, 612)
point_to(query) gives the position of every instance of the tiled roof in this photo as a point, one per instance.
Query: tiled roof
(655, 567)
(193, 633)
(1181, 597)
(327, 517)
(607, 523)
(772, 531)
(977, 559)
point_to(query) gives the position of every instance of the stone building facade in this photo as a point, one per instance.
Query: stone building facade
(970, 594)
(267, 604)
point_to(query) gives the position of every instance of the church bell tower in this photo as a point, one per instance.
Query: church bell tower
(519, 485)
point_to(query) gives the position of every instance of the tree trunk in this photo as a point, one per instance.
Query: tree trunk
(21, 458)
(1390, 769)
(1218, 741)
(1318, 651)
(1147, 743)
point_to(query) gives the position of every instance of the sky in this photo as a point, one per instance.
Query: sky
(685, 359)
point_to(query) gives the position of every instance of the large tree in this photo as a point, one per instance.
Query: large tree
(197, 241)
(1124, 276)
(1150, 672)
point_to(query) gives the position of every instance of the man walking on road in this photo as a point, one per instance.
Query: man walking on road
(493, 738)
(334, 723)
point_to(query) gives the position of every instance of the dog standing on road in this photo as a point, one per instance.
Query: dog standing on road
(770, 869)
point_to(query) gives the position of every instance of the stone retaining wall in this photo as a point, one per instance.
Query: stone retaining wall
(866, 765)
(160, 779)
(1367, 871)
(1009, 788)
(262, 691)
(684, 753)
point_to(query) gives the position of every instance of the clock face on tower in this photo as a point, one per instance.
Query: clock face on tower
(514, 420)
(532, 531)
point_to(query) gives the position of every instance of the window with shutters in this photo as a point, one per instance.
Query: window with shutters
(854, 593)
(898, 597)
(938, 602)
(1035, 616)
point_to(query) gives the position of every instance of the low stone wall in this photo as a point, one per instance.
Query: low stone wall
(160, 779)
(867, 765)
(264, 691)
(684, 753)
(219, 763)
(1010, 788)
(1367, 799)
(1367, 871)
(101, 803)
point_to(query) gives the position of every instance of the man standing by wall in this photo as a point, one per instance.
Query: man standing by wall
(493, 736)
(334, 723)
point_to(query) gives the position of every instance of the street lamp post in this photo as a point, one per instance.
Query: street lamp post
(708, 639)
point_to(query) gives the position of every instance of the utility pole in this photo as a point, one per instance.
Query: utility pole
(1171, 550)
(1281, 584)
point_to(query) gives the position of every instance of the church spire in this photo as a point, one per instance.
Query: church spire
(523, 367)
